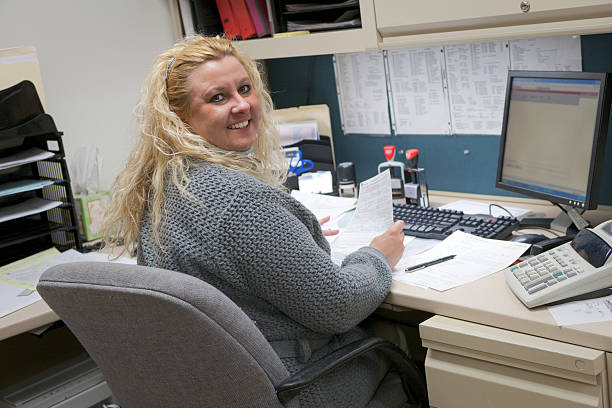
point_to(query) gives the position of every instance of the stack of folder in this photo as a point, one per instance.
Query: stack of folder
(238, 19)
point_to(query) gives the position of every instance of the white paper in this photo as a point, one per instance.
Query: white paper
(15, 281)
(546, 54)
(475, 257)
(323, 205)
(373, 216)
(477, 75)
(362, 92)
(475, 207)
(583, 311)
(418, 99)
(32, 206)
(318, 182)
(31, 274)
(30, 155)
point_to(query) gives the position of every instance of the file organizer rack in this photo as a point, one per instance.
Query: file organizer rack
(315, 15)
(25, 126)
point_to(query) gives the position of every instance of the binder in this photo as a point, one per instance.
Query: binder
(242, 16)
(258, 12)
(270, 14)
(206, 18)
(230, 24)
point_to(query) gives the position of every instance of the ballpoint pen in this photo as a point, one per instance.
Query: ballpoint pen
(429, 263)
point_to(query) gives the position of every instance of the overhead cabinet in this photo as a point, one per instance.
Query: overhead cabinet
(402, 23)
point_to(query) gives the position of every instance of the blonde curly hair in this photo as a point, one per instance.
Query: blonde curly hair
(166, 146)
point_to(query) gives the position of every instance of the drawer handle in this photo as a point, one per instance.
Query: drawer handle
(525, 6)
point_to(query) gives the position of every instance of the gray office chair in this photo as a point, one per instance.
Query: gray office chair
(167, 339)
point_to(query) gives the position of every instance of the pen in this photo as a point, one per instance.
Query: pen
(426, 264)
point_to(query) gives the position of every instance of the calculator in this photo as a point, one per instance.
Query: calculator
(575, 268)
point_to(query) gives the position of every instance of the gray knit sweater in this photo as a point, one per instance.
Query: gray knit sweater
(267, 253)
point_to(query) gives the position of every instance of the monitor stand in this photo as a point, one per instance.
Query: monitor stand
(570, 223)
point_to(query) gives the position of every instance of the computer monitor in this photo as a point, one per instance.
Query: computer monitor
(553, 136)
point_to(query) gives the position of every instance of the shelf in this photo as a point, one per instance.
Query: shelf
(330, 42)
(318, 43)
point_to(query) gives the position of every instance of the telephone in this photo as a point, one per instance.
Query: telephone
(581, 266)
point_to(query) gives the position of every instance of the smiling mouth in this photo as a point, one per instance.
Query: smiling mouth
(239, 125)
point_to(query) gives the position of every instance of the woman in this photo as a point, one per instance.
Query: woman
(202, 194)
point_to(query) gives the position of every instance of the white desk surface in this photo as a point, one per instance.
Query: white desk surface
(489, 301)
(30, 317)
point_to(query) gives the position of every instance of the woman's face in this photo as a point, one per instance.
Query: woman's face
(224, 107)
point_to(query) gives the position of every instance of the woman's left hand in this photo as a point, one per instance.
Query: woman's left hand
(328, 232)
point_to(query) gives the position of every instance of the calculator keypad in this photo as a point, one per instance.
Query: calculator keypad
(546, 270)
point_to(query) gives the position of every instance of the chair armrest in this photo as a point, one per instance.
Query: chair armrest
(413, 381)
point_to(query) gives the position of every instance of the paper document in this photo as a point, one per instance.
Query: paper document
(18, 279)
(419, 103)
(546, 54)
(27, 156)
(323, 205)
(32, 206)
(475, 258)
(362, 92)
(477, 75)
(475, 207)
(373, 216)
(583, 311)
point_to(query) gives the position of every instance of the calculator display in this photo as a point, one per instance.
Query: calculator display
(592, 248)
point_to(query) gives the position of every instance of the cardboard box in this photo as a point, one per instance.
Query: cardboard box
(90, 212)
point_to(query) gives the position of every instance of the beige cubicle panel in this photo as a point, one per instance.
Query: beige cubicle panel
(18, 64)
(470, 365)
(320, 113)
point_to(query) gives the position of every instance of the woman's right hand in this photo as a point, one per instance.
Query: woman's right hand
(391, 243)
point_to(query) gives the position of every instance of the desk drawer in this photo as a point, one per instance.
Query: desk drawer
(471, 365)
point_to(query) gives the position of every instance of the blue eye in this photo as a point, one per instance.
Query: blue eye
(244, 89)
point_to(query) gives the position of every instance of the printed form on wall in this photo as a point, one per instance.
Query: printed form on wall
(419, 104)
(362, 92)
(477, 75)
(546, 54)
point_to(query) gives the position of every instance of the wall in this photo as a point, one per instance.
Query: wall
(93, 58)
(447, 167)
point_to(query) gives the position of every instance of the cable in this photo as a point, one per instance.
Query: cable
(557, 204)
(499, 206)
(538, 227)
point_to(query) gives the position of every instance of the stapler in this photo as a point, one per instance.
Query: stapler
(397, 170)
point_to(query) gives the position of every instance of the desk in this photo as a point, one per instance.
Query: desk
(489, 302)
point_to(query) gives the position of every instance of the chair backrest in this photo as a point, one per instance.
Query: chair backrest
(163, 338)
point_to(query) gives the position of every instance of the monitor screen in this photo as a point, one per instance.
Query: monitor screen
(553, 136)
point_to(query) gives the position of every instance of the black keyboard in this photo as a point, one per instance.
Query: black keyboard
(437, 223)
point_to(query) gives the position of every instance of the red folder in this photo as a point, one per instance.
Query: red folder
(242, 16)
(230, 23)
